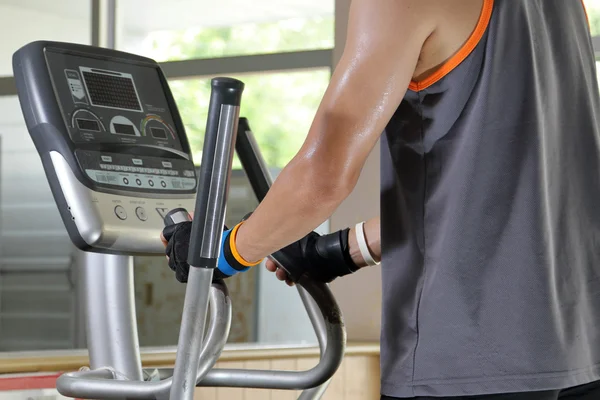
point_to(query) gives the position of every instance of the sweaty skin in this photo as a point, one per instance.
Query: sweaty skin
(389, 42)
(366, 88)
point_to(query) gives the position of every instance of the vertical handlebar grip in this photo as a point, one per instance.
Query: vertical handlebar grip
(176, 216)
(221, 126)
(207, 228)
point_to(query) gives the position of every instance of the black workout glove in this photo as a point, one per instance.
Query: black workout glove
(178, 240)
(321, 258)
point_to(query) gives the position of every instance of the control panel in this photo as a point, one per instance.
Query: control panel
(111, 141)
(122, 108)
(126, 171)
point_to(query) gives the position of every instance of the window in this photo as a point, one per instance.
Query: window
(31, 20)
(279, 106)
(37, 306)
(280, 50)
(189, 29)
(280, 99)
(593, 11)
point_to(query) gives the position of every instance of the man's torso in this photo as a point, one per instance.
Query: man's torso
(490, 217)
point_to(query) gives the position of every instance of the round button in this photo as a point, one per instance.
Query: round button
(139, 183)
(120, 212)
(151, 183)
(141, 213)
(126, 181)
(163, 183)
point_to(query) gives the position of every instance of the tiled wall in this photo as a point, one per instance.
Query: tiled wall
(159, 303)
(356, 379)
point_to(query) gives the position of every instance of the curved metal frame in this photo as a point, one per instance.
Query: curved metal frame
(103, 383)
(331, 357)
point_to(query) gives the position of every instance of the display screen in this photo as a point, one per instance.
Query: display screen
(115, 91)
(124, 129)
(158, 133)
(88, 124)
(117, 101)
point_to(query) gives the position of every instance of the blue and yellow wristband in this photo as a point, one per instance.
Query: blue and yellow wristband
(230, 261)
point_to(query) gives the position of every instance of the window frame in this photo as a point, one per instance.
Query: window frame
(104, 33)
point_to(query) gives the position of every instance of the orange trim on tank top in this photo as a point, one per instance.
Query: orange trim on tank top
(587, 16)
(462, 54)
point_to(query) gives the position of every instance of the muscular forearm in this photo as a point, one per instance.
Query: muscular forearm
(298, 202)
(365, 90)
(373, 238)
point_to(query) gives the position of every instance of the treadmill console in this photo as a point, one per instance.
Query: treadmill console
(111, 141)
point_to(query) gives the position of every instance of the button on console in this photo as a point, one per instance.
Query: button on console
(162, 212)
(120, 212)
(141, 213)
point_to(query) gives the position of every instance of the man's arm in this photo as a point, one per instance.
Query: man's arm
(384, 42)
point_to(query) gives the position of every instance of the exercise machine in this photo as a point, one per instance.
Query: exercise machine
(115, 153)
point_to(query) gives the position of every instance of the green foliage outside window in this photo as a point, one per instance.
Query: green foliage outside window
(260, 38)
(594, 17)
(279, 106)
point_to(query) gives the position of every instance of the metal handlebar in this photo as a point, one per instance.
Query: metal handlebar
(102, 383)
(194, 361)
(330, 360)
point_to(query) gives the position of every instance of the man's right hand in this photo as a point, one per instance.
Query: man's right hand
(177, 239)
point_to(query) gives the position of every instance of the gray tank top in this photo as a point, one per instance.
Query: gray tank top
(490, 212)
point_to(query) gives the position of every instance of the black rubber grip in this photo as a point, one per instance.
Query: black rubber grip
(225, 91)
(170, 218)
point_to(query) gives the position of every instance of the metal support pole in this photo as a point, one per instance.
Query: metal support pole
(111, 325)
(207, 229)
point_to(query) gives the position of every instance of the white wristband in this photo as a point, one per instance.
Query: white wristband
(362, 244)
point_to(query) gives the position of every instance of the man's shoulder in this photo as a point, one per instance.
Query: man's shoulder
(454, 21)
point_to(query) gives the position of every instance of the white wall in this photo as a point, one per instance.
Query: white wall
(36, 296)
(359, 295)
(23, 24)
(281, 314)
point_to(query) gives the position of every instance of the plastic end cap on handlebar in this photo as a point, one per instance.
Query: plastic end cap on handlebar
(229, 89)
(176, 216)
